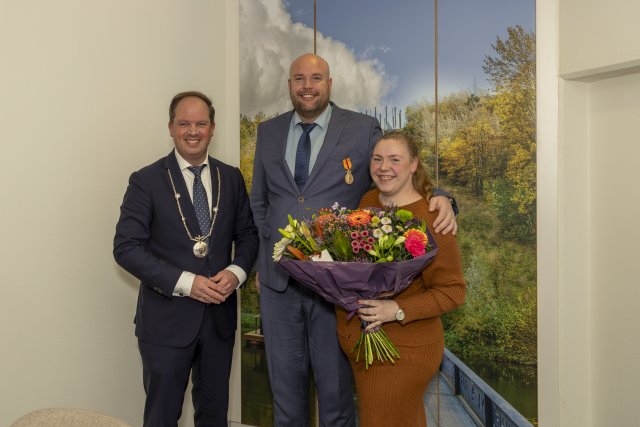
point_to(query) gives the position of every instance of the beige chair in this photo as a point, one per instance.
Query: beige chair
(67, 417)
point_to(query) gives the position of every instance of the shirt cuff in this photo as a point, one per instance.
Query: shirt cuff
(183, 287)
(239, 272)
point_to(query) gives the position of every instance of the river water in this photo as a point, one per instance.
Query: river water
(517, 384)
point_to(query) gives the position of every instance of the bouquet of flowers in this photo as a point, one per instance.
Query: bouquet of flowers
(346, 255)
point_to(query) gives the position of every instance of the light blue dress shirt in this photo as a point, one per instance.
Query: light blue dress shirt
(317, 138)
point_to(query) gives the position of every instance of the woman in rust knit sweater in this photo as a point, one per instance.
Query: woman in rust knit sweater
(391, 394)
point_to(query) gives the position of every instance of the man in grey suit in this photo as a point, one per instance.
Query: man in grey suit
(289, 178)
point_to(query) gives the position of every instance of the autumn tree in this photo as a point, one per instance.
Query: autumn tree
(474, 153)
(512, 74)
(453, 113)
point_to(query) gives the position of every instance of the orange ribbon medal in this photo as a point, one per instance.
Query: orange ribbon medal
(346, 163)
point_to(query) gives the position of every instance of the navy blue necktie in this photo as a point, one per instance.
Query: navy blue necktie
(200, 202)
(303, 154)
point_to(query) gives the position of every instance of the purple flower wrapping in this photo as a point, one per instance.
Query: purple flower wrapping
(344, 283)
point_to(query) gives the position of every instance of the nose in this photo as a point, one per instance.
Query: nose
(192, 129)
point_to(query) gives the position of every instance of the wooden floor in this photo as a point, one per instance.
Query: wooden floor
(452, 411)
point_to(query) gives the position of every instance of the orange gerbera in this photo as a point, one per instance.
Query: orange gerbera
(416, 234)
(359, 217)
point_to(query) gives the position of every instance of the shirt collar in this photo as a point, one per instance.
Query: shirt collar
(322, 120)
(183, 164)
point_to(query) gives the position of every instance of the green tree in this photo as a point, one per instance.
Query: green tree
(473, 156)
(453, 113)
(512, 73)
(248, 134)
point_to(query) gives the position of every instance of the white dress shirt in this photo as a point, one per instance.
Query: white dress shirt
(185, 281)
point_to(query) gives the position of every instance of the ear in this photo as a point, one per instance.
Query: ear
(170, 126)
(414, 165)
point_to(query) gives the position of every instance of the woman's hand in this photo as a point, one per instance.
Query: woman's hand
(376, 312)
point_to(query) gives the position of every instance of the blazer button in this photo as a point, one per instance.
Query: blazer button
(300, 199)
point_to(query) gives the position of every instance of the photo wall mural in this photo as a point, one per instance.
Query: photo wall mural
(384, 63)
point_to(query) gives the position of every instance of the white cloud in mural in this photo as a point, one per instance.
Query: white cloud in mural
(269, 41)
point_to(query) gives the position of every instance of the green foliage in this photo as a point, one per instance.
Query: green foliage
(513, 224)
(512, 72)
(250, 304)
(453, 112)
(248, 135)
(498, 320)
(474, 154)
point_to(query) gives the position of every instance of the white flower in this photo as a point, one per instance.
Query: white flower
(280, 247)
(386, 220)
(377, 233)
(387, 228)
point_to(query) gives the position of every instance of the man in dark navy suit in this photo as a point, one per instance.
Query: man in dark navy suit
(186, 232)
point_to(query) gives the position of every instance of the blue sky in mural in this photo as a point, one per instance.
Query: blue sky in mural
(400, 35)
(387, 43)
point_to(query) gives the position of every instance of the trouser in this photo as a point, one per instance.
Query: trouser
(300, 334)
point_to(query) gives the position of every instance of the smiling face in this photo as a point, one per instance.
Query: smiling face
(191, 129)
(392, 168)
(309, 86)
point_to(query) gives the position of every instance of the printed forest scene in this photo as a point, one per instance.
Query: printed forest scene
(476, 134)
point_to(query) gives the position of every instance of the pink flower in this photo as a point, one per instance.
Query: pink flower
(414, 246)
(416, 242)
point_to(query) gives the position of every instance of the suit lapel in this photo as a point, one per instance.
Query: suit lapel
(214, 167)
(331, 138)
(171, 164)
(281, 139)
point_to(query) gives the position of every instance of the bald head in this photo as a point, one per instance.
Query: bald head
(309, 86)
(309, 58)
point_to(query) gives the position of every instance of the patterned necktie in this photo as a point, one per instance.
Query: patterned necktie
(200, 202)
(303, 153)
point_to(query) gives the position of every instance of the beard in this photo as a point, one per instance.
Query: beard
(309, 111)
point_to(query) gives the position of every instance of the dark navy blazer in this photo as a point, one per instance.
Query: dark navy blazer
(152, 244)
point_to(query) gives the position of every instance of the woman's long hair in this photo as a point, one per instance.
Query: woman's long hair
(420, 180)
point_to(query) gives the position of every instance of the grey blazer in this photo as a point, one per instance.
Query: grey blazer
(274, 193)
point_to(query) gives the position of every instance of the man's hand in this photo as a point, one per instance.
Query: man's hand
(226, 282)
(446, 220)
(206, 291)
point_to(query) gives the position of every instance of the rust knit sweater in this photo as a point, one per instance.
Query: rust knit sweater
(391, 394)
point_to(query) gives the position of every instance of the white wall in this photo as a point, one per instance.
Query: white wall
(589, 290)
(84, 90)
(614, 111)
